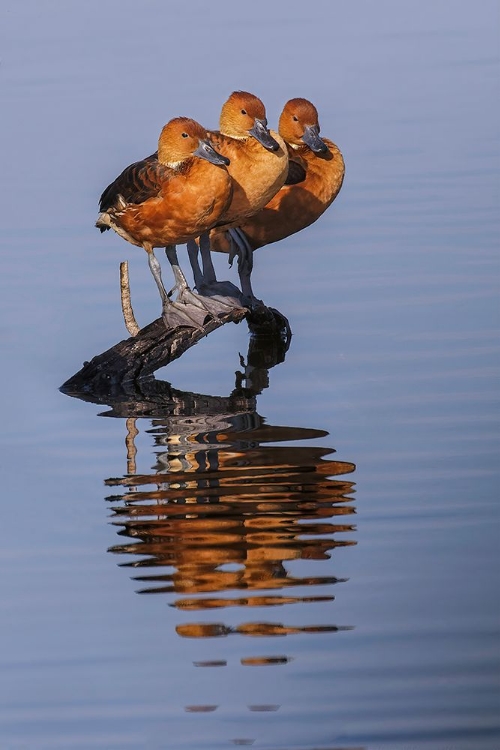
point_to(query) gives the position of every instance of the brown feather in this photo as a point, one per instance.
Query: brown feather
(136, 184)
(298, 204)
(171, 196)
(257, 173)
(296, 173)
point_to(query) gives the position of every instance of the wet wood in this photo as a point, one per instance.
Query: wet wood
(138, 357)
(127, 310)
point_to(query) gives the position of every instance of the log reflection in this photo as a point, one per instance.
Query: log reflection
(227, 506)
(233, 506)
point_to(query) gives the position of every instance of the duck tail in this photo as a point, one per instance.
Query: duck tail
(103, 222)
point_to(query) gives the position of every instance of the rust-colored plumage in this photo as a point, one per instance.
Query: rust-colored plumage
(259, 166)
(169, 198)
(315, 176)
(136, 183)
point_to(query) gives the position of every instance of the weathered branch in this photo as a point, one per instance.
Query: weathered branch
(155, 346)
(128, 312)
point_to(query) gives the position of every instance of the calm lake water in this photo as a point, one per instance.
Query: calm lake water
(303, 555)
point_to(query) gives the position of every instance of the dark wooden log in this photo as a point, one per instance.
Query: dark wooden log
(136, 359)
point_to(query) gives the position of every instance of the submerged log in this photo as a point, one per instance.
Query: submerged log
(148, 349)
(155, 346)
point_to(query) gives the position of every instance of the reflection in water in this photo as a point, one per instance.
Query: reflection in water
(226, 510)
(230, 503)
(227, 505)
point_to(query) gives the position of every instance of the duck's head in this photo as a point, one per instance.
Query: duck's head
(299, 125)
(244, 115)
(182, 138)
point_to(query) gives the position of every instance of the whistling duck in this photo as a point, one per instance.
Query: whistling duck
(258, 167)
(170, 198)
(315, 175)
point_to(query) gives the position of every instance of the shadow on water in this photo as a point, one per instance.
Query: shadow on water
(230, 502)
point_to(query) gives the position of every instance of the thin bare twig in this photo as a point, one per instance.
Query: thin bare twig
(128, 312)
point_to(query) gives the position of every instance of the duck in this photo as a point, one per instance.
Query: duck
(170, 198)
(258, 167)
(314, 179)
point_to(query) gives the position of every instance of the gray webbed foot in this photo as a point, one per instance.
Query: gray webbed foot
(182, 313)
(220, 290)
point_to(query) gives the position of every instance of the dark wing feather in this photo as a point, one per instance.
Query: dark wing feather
(137, 183)
(296, 173)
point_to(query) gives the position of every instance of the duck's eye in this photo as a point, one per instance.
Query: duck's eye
(243, 111)
(295, 119)
(185, 135)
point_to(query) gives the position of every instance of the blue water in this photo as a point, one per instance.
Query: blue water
(327, 586)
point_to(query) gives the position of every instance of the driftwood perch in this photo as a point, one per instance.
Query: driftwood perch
(157, 398)
(148, 349)
(138, 357)
(128, 313)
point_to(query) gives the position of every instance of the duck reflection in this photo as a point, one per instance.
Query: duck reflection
(231, 502)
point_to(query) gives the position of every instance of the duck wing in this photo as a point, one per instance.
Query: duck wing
(296, 173)
(142, 180)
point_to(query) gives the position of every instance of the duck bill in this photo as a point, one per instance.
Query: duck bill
(311, 138)
(206, 151)
(262, 134)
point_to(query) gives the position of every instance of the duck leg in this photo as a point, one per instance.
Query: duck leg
(155, 269)
(241, 246)
(173, 313)
(192, 248)
(216, 304)
(199, 305)
(187, 303)
(210, 287)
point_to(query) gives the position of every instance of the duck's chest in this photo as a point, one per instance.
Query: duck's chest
(259, 174)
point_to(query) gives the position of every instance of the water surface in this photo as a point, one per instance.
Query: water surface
(302, 555)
